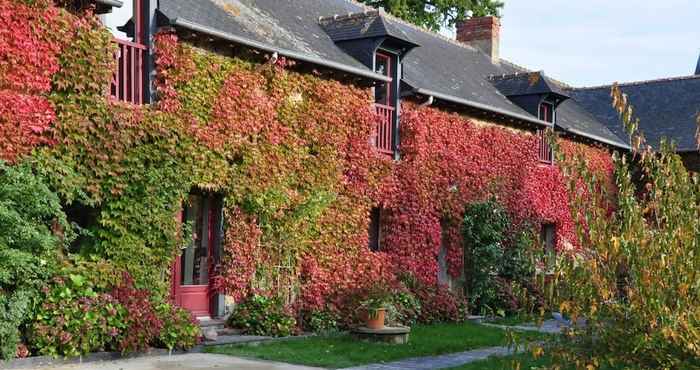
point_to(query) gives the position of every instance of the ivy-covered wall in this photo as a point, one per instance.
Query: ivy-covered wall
(288, 147)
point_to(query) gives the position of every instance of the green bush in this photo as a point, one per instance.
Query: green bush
(405, 309)
(484, 230)
(260, 315)
(179, 329)
(74, 319)
(323, 322)
(33, 229)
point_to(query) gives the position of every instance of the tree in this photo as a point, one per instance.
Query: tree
(434, 14)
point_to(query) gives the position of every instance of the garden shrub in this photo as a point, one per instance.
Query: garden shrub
(260, 315)
(94, 306)
(322, 321)
(636, 281)
(33, 232)
(74, 319)
(437, 303)
(405, 309)
(484, 231)
(179, 329)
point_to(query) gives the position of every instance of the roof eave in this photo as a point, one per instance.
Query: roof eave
(112, 3)
(195, 27)
(473, 104)
(596, 138)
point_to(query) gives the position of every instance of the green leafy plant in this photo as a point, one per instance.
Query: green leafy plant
(323, 322)
(74, 319)
(179, 330)
(484, 229)
(33, 231)
(260, 315)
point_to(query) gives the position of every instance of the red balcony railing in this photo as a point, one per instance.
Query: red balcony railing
(127, 83)
(385, 129)
(545, 152)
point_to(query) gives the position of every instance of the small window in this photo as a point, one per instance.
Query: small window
(547, 112)
(544, 149)
(548, 237)
(375, 229)
(382, 92)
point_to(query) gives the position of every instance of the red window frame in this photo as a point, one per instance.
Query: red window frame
(385, 108)
(546, 112)
(388, 58)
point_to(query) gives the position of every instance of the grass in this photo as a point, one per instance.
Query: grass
(344, 351)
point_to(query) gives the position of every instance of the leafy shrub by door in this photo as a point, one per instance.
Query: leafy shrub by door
(484, 231)
(260, 315)
(31, 221)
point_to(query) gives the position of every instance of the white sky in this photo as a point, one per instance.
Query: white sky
(594, 42)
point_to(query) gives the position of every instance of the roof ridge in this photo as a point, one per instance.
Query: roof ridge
(505, 76)
(394, 18)
(643, 82)
(338, 17)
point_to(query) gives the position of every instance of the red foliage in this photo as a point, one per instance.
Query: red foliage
(29, 50)
(449, 161)
(299, 134)
(143, 324)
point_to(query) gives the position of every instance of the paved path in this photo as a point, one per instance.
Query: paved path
(439, 362)
(549, 327)
(192, 361)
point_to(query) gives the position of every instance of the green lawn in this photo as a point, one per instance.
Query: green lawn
(344, 351)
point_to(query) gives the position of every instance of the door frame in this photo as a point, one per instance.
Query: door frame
(214, 305)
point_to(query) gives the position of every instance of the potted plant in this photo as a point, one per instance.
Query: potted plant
(375, 310)
(375, 306)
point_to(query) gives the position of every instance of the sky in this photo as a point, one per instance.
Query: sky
(596, 42)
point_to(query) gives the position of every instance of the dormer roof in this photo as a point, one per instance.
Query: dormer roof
(363, 25)
(527, 83)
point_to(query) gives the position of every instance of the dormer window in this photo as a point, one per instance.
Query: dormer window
(379, 43)
(547, 114)
(385, 102)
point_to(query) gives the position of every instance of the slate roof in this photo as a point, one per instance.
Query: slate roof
(440, 67)
(666, 108)
(526, 83)
(362, 25)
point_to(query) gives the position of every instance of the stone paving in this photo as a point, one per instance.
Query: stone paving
(549, 327)
(192, 361)
(439, 362)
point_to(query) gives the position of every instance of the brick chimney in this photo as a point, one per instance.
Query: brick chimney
(482, 33)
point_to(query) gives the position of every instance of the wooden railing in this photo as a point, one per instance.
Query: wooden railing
(127, 83)
(385, 129)
(545, 152)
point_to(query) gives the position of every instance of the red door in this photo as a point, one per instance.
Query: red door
(193, 268)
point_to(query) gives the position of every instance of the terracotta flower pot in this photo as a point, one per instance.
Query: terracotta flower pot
(376, 321)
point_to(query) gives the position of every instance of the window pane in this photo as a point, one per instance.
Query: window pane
(195, 259)
(374, 233)
(382, 66)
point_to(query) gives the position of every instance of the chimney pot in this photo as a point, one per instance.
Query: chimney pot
(482, 33)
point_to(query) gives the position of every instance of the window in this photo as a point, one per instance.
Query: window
(547, 112)
(375, 229)
(544, 150)
(548, 237)
(385, 102)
